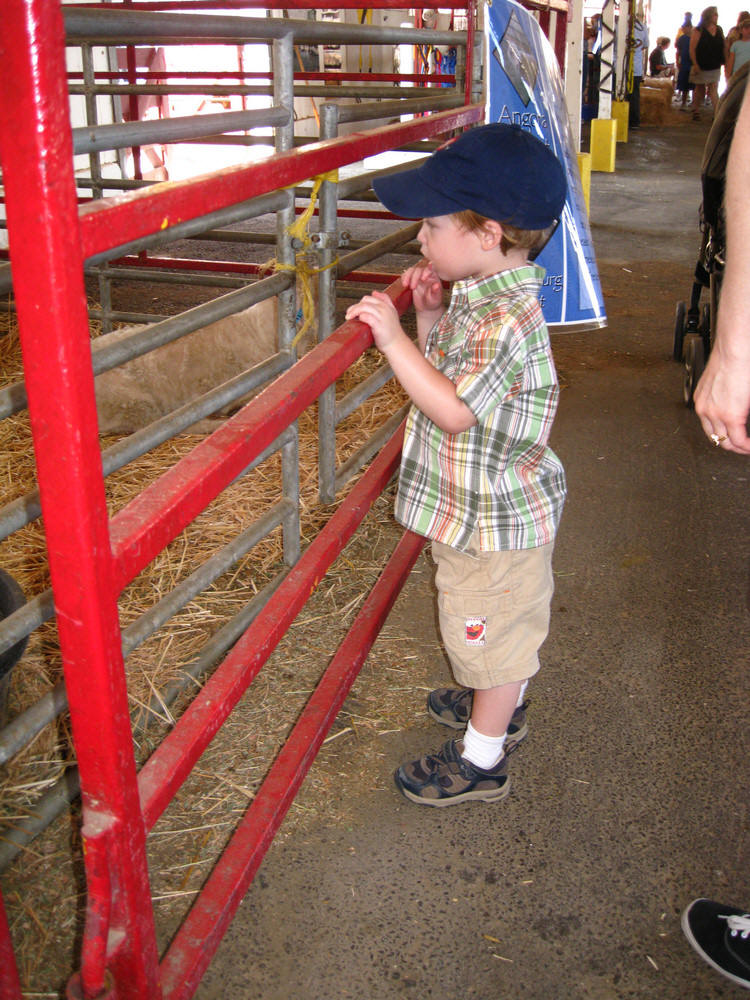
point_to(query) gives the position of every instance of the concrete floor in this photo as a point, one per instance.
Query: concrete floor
(630, 797)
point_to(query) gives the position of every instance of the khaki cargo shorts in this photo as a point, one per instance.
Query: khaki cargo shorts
(494, 612)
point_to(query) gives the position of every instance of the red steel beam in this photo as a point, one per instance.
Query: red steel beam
(364, 213)
(199, 936)
(10, 984)
(376, 277)
(149, 522)
(47, 265)
(561, 30)
(186, 264)
(115, 221)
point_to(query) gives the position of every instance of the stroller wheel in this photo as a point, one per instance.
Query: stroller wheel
(694, 359)
(679, 330)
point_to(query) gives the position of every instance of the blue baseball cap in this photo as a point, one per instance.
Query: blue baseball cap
(500, 171)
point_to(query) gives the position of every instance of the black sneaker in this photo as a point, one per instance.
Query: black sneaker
(446, 779)
(721, 936)
(452, 707)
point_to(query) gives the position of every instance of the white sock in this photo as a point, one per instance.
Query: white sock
(483, 751)
(522, 694)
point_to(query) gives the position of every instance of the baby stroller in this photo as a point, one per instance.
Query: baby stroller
(694, 326)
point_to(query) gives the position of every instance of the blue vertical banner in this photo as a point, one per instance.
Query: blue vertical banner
(524, 88)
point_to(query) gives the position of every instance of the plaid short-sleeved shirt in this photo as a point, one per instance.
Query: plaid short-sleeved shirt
(499, 477)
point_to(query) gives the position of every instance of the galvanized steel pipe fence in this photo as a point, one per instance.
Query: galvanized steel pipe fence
(106, 356)
(92, 558)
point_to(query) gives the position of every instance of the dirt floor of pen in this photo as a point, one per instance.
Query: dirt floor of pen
(630, 796)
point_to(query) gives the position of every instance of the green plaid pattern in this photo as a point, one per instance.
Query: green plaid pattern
(499, 477)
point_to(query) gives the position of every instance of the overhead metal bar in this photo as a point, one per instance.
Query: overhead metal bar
(165, 130)
(359, 90)
(122, 27)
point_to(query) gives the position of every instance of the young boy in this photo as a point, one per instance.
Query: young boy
(477, 477)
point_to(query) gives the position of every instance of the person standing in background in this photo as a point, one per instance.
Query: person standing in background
(640, 62)
(734, 33)
(686, 28)
(739, 51)
(707, 57)
(682, 59)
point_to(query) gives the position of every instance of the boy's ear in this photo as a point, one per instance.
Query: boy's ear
(492, 233)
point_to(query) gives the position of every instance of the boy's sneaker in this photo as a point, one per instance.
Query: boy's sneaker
(721, 936)
(452, 707)
(446, 779)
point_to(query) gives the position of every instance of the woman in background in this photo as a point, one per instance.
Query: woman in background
(682, 59)
(739, 51)
(707, 57)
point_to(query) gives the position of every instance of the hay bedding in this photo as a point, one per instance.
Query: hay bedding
(44, 893)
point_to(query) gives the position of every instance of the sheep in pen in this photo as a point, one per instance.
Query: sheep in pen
(150, 386)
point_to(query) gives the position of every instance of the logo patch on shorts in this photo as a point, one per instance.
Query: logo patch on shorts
(476, 631)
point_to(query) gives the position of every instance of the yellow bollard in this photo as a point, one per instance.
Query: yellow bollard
(620, 111)
(603, 144)
(584, 169)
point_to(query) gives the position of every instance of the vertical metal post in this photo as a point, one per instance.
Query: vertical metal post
(47, 264)
(573, 80)
(329, 128)
(560, 40)
(461, 77)
(133, 113)
(624, 24)
(283, 94)
(471, 15)
(117, 113)
(92, 120)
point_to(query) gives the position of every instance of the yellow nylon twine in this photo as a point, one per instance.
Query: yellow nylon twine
(300, 230)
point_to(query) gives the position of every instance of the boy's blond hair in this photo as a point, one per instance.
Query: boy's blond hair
(529, 239)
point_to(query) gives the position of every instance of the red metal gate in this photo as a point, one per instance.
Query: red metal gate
(92, 559)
